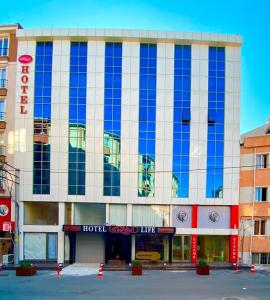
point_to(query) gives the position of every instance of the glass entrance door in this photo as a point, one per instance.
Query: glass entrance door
(181, 248)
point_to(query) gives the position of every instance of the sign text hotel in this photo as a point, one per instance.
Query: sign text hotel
(25, 60)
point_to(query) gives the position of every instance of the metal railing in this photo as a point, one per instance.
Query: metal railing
(2, 116)
(3, 51)
(3, 83)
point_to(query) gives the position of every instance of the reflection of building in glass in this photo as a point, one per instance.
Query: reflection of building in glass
(146, 175)
(111, 163)
(175, 185)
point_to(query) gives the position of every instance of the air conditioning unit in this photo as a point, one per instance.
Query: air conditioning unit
(8, 259)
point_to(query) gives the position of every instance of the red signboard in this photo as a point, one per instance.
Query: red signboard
(194, 239)
(25, 59)
(234, 216)
(25, 71)
(5, 211)
(233, 248)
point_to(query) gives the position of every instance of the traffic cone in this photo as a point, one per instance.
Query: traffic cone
(100, 272)
(58, 271)
(252, 268)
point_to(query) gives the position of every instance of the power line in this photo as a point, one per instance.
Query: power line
(157, 171)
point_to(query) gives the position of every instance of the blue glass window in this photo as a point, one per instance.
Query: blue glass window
(112, 119)
(147, 120)
(181, 120)
(215, 138)
(42, 118)
(77, 118)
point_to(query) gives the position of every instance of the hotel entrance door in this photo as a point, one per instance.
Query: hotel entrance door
(118, 247)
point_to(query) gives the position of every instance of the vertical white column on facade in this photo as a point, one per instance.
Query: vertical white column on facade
(198, 124)
(59, 121)
(61, 234)
(23, 136)
(129, 121)
(94, 121)
(24, 125)
(164, 122)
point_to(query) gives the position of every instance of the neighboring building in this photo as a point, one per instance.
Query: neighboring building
(254, 226)
(138, 129)
(8, 65)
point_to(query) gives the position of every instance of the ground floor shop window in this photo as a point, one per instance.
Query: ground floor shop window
(40, 246)
(152, 247)
(6, 245)
(213, 248)
(181, 248)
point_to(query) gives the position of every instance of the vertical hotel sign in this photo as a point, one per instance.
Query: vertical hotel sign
(194, 239)
(25, 60)
(233, 248)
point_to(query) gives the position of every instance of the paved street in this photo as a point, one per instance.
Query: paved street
(158, 285)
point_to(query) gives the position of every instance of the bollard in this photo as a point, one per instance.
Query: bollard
(58, 270)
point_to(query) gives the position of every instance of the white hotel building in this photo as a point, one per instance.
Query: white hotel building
(134, 131)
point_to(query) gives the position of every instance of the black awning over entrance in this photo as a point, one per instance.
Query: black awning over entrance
(113, 229)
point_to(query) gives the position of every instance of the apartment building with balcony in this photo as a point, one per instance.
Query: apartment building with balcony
(8, 65)
(254, 206)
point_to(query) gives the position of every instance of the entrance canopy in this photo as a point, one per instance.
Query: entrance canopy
(126, 230)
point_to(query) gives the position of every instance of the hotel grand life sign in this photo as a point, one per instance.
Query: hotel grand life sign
(25, 60)
(126, 230)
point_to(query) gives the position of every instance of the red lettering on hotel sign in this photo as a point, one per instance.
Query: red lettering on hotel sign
(24, 59)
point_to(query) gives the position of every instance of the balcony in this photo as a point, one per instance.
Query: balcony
(3, 87)
(2, 154)
(2, 120)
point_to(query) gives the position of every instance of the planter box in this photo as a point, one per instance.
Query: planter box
(136, 271)
(26, 271)
(202, 269)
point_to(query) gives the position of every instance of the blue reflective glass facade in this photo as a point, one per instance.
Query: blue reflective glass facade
(112, 119)
(181, 120)
(42, 118)
(215, 137)
(77, 118)
(147, 120)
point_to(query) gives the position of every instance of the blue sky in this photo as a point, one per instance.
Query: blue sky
(247, 17)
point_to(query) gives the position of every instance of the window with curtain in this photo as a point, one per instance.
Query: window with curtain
(151, 215)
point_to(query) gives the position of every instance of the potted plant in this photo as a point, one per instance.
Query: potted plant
(136, 268)
(26, 269)
(202, 268)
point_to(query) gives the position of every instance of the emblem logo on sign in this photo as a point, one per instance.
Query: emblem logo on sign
(25, 59)
(213, 216)
(3, 210)
(182, 216)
